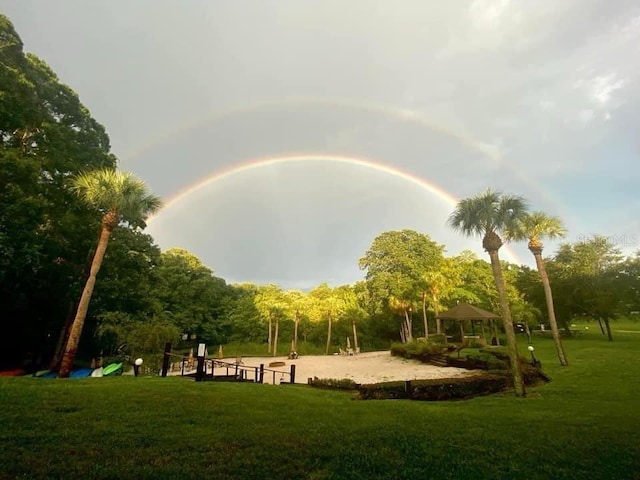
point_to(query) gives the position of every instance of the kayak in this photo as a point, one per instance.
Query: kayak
(81, 373)
(98, 372)
(112, 369)
(41, 373)
(12, 373)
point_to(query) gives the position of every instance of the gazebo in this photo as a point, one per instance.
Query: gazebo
(464, 311)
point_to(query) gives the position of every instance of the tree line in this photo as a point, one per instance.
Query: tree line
(69, 220)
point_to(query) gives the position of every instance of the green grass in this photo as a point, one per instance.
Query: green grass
(582, 425)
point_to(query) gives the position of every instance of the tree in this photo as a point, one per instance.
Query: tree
(488, 214)
(437, 285)
(296, 303)
(396, 263)
(271, 302)
(120, 197)
(533, 227)
(195, 299)
(244, 320)
(589, 276)
(325, 303)
(46, 136)
(403, 308)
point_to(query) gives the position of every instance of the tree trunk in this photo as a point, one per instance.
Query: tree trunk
(550, 310)
(606, 322)
(496, 334)
(601, 327)
(408, 326)
(326, 352)
(355, 336)
(424, 315)
(275, 337)
(295, 331)
(83, 306)
(518, 383)
(54, 365)
(269, 340)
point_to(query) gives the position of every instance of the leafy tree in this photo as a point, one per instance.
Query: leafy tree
(437, 286)
(325, 304)
(629, 275)
(396, 264)
(142, 336)
(351, 313)
(588, 274)
(297, 303)
(272, 304)
(243, 320)
(533, 227)
(488, 214)
(195, 300)
(120, 197)
(404, 308)
(46, 136)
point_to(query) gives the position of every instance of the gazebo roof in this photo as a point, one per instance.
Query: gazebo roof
(464, 311)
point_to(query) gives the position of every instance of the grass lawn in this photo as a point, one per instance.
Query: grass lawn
(584, 424)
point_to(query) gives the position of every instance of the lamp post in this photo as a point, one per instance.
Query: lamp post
(534, 361)
(136, 366)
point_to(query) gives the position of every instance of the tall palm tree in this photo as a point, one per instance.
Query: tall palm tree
(533, 227)
(120, 197)
(488, 214)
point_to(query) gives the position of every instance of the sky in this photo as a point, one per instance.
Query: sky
(540, 99)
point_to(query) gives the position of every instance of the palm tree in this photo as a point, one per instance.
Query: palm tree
(488, 214)
(533, 227)
(436, 285)
(403, 307)
(120, 197)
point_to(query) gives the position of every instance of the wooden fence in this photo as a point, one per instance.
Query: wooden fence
(207, 368)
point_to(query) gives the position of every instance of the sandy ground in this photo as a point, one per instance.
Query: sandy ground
(369, 367)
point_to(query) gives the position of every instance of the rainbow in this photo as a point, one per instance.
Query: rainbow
(398, 114)
(263, 162)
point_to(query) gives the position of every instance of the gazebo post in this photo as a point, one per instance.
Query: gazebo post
(482, 330)
(461, 331)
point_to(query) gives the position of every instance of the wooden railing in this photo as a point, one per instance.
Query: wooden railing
(208, 368)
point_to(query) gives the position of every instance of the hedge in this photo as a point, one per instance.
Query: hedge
(436, 389)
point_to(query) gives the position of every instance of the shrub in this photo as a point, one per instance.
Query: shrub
(436, 389)
(438, 338)
(333, 383)
(416, 350)
(493, 362)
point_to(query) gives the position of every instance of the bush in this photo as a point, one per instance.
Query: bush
(438, 338)
(417, 350)
(436, 389)
(333, 383)
(493, 362)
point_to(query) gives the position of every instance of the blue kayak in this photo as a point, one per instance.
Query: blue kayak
(81, 373)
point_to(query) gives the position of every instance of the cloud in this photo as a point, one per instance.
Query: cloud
(537, 98)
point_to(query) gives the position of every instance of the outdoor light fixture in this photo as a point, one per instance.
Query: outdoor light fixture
(136, 366)
(534, 360)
